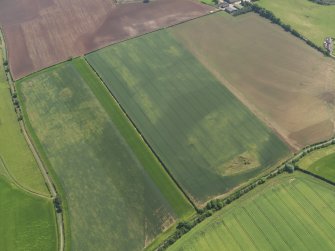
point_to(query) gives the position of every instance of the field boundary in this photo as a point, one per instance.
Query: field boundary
(48, 180)
(118, 42)
(310, 149)
(215, 10)
(144, 139)
(17, 183)
(267, 14)
(50, 185)
(217, 204)
(289, 190)
(315, 175)
(321, 2)
(115, 43)
(64, 222)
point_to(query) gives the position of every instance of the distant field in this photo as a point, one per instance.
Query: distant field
(15, 154)
(27, 222)
(294, 212)
(320, 162)
(119, 197)
(282, 80)
(314, 21)
(208, 140)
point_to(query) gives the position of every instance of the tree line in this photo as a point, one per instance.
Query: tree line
(324, 2)
(271, 16)
(217, 204)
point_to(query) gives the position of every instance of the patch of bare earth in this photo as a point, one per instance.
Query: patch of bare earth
(40, 33)
(286, 83)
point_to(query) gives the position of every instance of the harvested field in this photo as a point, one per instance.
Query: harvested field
(207, 139)
(282, 80)
(118, 195)
(295, 212)
(40, 33)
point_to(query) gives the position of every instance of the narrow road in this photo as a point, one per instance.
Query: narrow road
(50, 185)
(39, 161)
(17, 183)
(43, 169)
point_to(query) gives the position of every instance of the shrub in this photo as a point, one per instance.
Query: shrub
(58, 204)
(290, 168)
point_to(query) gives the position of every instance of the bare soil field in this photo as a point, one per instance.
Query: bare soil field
(41, 33)
(282, 80)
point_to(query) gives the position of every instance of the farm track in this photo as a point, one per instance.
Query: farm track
(50, 185)
(43, 169)
(17, 183)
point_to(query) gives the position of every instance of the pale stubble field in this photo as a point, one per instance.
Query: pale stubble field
(289, 85)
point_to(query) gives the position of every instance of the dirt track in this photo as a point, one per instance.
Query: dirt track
(40, 33)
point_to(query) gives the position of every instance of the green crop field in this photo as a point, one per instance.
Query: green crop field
(27, 222)
(118, 195)
(208, 140)
(320, 162)
(312, 20)
(291, 212)
(18, 161)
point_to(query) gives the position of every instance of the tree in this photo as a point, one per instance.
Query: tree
(289, 168)
(58, 204)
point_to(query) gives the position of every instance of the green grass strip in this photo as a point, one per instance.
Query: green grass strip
(168, 188)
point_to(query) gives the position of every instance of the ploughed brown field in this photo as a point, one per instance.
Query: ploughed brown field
(285, 82)
(40, 33)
